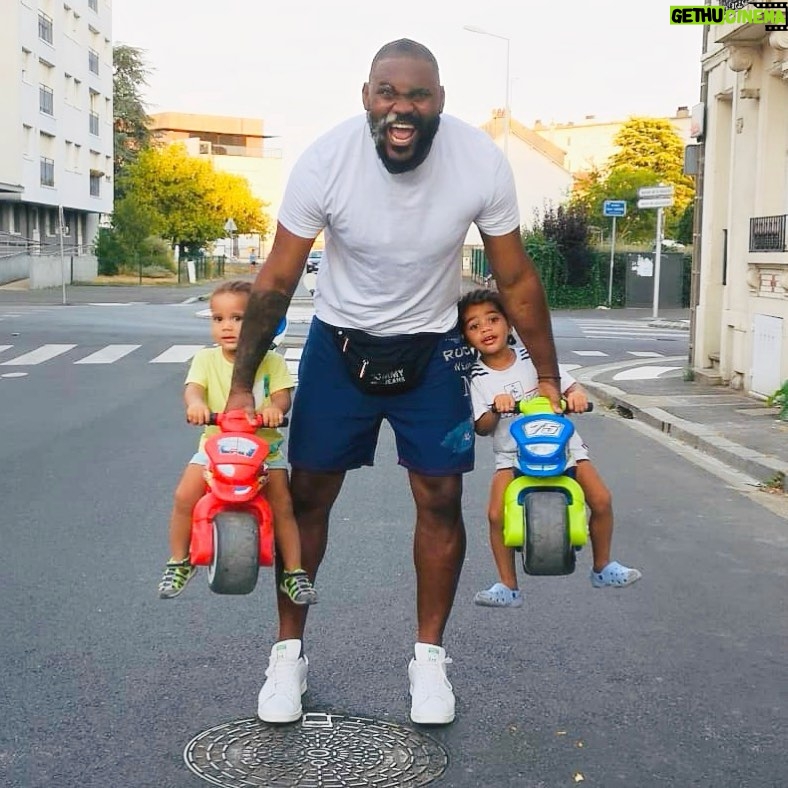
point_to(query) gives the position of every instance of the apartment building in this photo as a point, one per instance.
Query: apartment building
(57, 132)
(588, 143)
(740, 320)
(235, 145)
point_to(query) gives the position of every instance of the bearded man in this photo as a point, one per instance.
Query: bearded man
(395, 193)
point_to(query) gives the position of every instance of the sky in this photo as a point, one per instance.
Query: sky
(300, 64)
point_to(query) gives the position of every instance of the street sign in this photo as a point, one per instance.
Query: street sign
(614, 208)
(229, 226)
(646, 192)
(656, 202)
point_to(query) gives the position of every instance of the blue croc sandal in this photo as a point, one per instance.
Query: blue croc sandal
(615, 575)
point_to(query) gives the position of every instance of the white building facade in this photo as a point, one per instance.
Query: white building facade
(740, 322)
(56, 161)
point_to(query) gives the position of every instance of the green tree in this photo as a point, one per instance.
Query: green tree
(650, 152)
(622, 184)
(186, 201)
(686, 225)
(567, 227)
(131, 121)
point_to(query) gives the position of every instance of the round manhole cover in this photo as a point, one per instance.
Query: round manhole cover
(322, 751)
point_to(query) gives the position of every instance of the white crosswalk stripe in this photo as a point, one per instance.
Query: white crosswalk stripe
(182, 354)
(38, 356)
(632, 329)
(108, 354)
(293, 359)
(177, 354)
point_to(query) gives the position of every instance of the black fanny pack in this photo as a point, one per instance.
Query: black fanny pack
(388, 364)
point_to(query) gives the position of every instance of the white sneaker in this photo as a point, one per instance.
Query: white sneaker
(280, 697)
(499, 595)
(432, 699)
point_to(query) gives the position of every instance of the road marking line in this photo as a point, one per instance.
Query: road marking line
(38, 356)
(5, 347)
(176, 354)
(589, 353)
(643, 373)
(645, 354)
(293, 353)
(108, 354)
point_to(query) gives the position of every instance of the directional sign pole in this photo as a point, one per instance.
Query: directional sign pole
(612, 254)
(657, 260)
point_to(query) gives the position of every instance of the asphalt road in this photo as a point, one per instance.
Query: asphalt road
(679, 680)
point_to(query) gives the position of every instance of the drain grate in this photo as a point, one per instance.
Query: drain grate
(323, 751)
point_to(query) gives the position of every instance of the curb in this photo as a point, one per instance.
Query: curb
(644, 408)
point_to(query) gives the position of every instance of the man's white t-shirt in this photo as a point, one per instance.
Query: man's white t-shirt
(520, 380)
(394, 241)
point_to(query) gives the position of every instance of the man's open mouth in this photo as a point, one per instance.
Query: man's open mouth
(401, 135)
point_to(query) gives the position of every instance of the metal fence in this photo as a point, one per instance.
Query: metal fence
(767, 233)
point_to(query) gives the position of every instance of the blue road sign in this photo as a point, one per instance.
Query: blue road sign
(614, 208)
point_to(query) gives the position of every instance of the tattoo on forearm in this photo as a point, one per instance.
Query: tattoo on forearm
(262, 316)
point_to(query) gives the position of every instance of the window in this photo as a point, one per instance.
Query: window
(44, 27)
(94, 123)
(47, 172)
(27, 139)
(46, 100)
(93, 5)
(95, 183)
(93, 61)
(26, 58)
(51, 222)
(16, 219)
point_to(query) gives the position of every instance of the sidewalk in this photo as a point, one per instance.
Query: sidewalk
(738, 430)
(105, 294)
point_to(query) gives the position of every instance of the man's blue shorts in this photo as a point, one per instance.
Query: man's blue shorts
(334, 426)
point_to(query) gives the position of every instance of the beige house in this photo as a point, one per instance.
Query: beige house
(740, 292)
(589, 143)
(235, 145)
(539, 172)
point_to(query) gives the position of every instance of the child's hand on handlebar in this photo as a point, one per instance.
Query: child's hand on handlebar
(198, 413)
(576, 399)
(504, 403)
(272, 416)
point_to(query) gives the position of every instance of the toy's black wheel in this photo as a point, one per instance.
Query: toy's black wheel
(236, 546)
(547, 549)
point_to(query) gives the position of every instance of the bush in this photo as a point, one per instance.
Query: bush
(780, 399)
(109, 250)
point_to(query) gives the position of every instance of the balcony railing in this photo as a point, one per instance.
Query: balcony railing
(94, 123)
(767, 233)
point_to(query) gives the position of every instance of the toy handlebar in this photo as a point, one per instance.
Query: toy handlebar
(539, 405)
(236, 421)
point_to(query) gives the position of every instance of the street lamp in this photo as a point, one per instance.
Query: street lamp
(506, 110)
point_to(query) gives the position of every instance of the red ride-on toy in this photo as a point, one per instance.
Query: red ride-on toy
(232, 524)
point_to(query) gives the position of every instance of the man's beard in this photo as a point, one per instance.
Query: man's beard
(426, 130)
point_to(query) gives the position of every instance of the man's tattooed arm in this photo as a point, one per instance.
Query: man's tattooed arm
(263, 313)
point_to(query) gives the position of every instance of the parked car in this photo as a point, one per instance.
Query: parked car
(313, 261)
